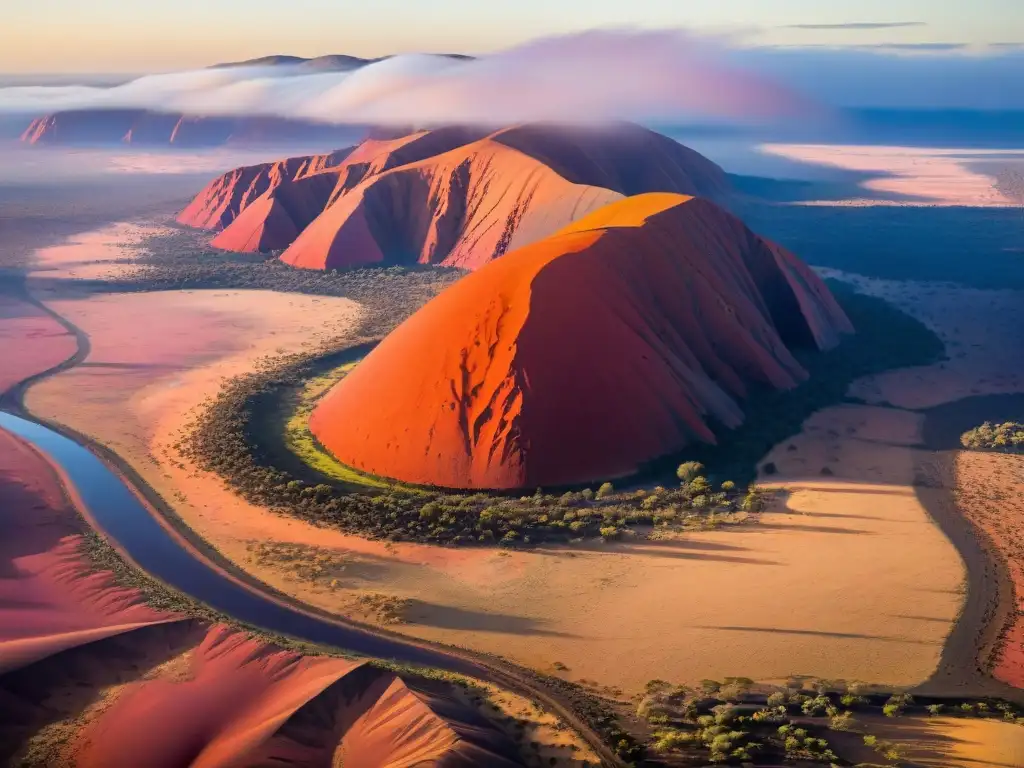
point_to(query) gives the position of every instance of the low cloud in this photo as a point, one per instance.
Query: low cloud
(861, 25)
(593, 76)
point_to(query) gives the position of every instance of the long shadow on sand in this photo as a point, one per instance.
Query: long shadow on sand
(990, 602)
(679, 549)
(818, 633)
(448, 617)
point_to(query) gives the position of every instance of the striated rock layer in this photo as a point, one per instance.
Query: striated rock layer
(618, 340)
(265, 207)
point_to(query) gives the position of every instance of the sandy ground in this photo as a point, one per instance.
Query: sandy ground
(155, 356)
(981, 329)
(761, 602)
(983, 332)
(98, 253)
(918, 176)
(947, 742)
(991, 492)
(30, 341)
(852, 581)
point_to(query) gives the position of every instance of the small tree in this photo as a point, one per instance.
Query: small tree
(606, 489)
(689, 470)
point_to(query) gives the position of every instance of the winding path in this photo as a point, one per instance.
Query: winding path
(116, 501)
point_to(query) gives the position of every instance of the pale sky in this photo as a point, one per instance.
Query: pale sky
(56, 36)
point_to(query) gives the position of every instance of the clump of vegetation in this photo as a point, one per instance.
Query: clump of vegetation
(739, 721)
(235, 439)
(729, 722)
(183, 260)
(1007, 437)
(386, 609)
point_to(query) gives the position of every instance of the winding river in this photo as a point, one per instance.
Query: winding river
(120, 514)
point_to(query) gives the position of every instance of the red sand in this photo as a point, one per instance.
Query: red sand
(238, 694)
(583, 356)
(990, 492)
(30, 341)
(242, 702)
(49, 602)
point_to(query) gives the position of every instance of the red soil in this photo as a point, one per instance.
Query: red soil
(990, 492)
(584, 355)
(237, 694)
(49, 602)
(241, 702)
(30, 341)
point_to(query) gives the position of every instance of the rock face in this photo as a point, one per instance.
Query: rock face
(455, 195)
(265, 207)
(618, 340)
(462, 208)
(284, 196)
(144, 127)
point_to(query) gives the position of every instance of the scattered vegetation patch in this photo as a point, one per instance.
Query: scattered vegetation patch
(224, 442)
(301, 561)
(1006, 438)
(384, 609)
(738, 721)
(183, 260)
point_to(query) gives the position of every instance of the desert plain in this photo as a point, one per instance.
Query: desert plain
(850, 574)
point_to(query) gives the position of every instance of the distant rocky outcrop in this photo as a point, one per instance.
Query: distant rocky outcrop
(140, 127)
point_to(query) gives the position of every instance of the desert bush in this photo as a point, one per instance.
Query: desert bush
(1007, 437)
(688, 470)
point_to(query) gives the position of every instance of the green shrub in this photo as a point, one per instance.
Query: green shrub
(1007, 437)
(688, 470)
